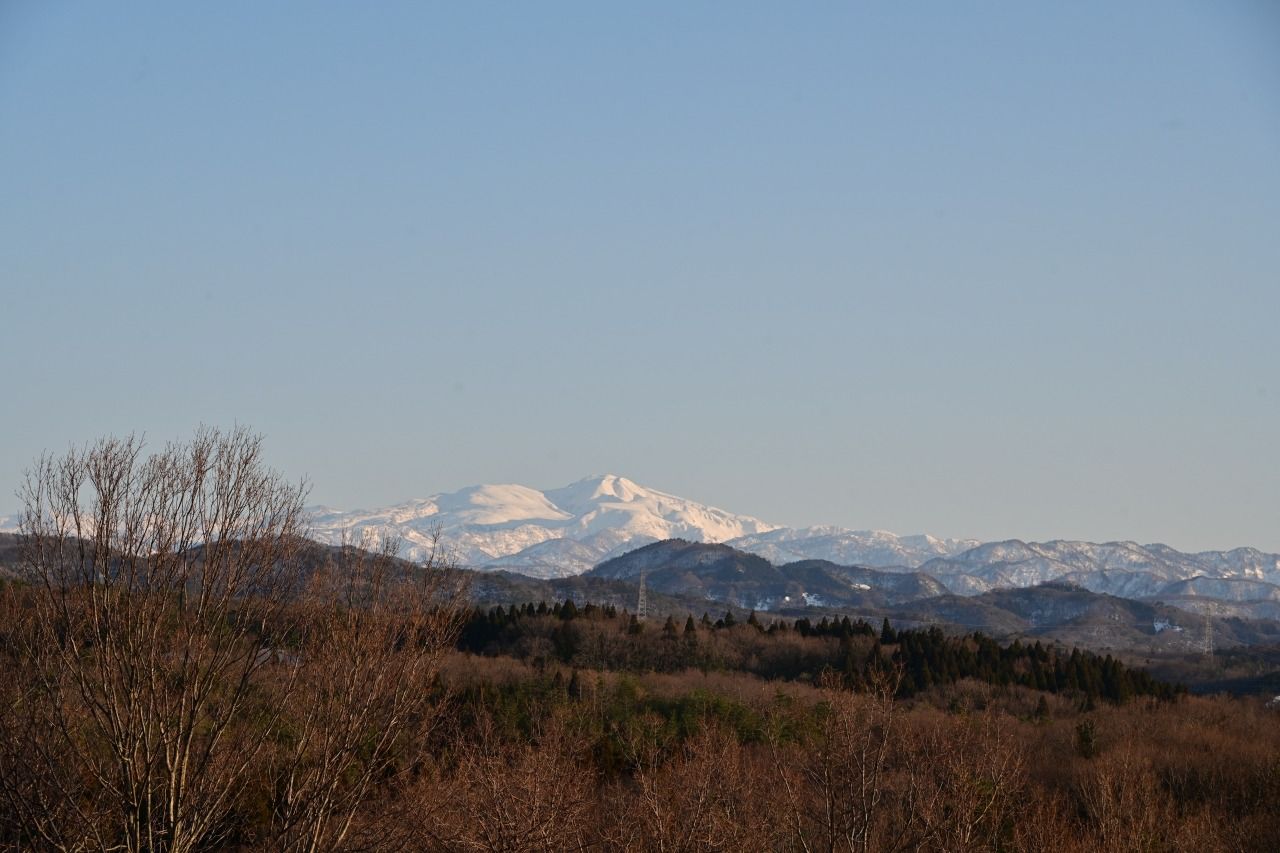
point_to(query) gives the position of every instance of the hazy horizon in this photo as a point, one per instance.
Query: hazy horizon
(975, 272)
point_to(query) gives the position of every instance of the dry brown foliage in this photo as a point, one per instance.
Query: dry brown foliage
(704, 794)
(372, 632)
(503, 796)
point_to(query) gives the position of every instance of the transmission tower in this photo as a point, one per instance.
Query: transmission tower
(642, 605)
(1210, 611)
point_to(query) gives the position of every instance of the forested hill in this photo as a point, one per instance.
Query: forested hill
(852, 651)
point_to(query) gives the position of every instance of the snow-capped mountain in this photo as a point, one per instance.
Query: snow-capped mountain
(558, 532)
(566, 531)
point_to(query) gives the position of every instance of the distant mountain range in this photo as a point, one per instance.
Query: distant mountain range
(1015, 564)
(684, 577)
(686, 571)
(565, 532)
(722, 573)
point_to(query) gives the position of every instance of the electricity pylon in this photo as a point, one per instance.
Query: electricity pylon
(1211, 611)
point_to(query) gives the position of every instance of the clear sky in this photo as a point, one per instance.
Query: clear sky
(977, 269)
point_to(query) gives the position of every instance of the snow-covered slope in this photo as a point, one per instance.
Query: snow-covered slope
(553, 533)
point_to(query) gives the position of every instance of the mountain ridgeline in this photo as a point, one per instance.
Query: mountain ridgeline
(567, 531)
(1057, 610)
(722, 573)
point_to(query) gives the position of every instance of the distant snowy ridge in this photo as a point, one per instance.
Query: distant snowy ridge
(1119, 568)
(850, 547)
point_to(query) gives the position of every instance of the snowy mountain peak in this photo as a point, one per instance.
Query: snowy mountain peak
(493, 525)
(612, 485)
(592, 491)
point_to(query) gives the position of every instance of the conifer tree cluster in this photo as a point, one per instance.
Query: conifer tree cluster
(800, 650)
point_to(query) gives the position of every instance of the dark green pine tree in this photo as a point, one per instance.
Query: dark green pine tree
(851, 663)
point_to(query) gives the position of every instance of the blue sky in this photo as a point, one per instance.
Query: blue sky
(977, 269)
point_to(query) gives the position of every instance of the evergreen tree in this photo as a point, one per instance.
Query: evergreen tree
(1086, 739)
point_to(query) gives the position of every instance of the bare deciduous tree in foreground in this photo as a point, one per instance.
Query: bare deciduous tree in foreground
(373, 634)
(169, 645)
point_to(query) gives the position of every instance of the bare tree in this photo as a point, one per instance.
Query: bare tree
(1125, 806)
(703, 794)
(972, 773)
(158, 588)
(516, 797)
(857, 786)
(372, 634)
